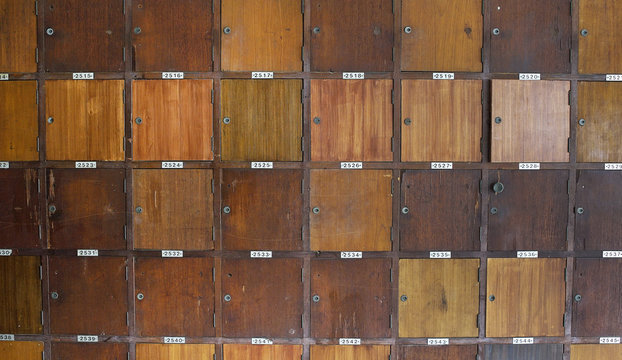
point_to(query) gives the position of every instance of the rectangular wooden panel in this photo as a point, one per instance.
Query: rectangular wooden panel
(452, 352)
(599, 196)
(525, 297)
(597, 289)
(528, 210)
(266, 209)
(100, 351)
(18, 36)
(21, 350)
(352, 35)
(20, 295)
(530, 121)
(441, 120)
(174, 352)
(522, 352)
(351, 298)
(595, 352)
(173, 209)
(440, 210)
(344, 352)
(534, 36)
(86, 208)
(600, 107)
(85, 120)
(351, 210)
(262, 35)
(172, 119)
(352, 120)
(88, 295)
(264, 120)
(19, 209)
(442, 35)
(600, 48)
(182, 289)
(19, 128)
(263, 352)
(86, 36)
(438, 298)
(161, 43)
(265, 298)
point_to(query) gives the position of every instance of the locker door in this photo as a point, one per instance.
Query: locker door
(99, 351)
(22, 350)
(452, 352)
(345, 352)
(520, 352)
(19, 128)
(18, 37)
(19, 209)
(20, 295)
(264, 352)
(599, 37)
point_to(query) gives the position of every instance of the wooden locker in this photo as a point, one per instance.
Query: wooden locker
(452, 352)
(19, 129)
(21, 350)
(345, 352)
(20, 295)
(522, 352)
(599, 28)
(261, 35)
(18, 36)
(175, 351)
(263, 352)
(172, 119)
(99, 351)
(352, 120)
(595, 352)
(19, 209)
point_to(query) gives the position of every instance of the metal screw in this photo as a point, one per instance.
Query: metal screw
(316, 30)
(316, 120)
(316, 298)
(139, 210)
(226, 209)
(584, 32)
(139, 120)
(52, 209)
(407, 121)
(408, 30)
(578, 298)
(316, 210)
(498, 187)
(50, 120)
(140, 296)
(403, 298)
(580, 210)
(405, 210)
(496, 31)
(137, 30)
(582, 122)
(226, 120)
(493, 210)
(497, 120)
(491, 298)
(54, 295)
(227, 298)
(49, 31)
(227, 30)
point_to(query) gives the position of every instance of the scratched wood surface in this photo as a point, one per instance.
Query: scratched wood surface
(600, 50)
(595, 352)
(20, 295)
(344, 352)
(99, 351)
(175, 351)
(20, 215)
(19, 128)
(522, 352)
(451, 352)
(18, 36)
(264, 352)
(21, 350)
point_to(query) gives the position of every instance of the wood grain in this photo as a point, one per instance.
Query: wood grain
(535, 121)
(354, 210)
(20, 295)
(176, 119)
(600, 105)
(601, 49)
(266, 120)
(19, 209)
(521, 352)
(264, 352)
(442, 297)
(529, 297)
(176, 209)
(174, 352)
(266, 35)
(446, 120)
(21, 350)
(88, 120)
(19, 128)
(445, 35)
(452, 352)
(355, 120)
(344, 352)
(595, 352)
(100, 351)
(18, 36)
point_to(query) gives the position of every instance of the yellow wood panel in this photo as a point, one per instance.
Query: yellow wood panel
(595, 352)
(21, 350)
(174, 352)
(262, 352)
(601, 49)
(18, 121)
(345, 352)
(18, 36)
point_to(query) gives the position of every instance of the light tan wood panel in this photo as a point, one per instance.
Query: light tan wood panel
(18, 124)
(595, 352)
(21, 350)
(174, 352)
(345, 352)
(18, 36)
(263, 352)
(601, 49)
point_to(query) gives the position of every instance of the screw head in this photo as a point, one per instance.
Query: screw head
(227, 30)
(407, 121)
(52, 209)
(49, 31)
(491, 298)
(137, 30)
(497, 120)
(316, 30)
(226, 120)
(494, 210)
(580, 210)
(316, 210)
(496, 31)
(403, 298)
(582, 122)
(498, 187)
(226, 210)
(227, 298)
(54, 295)
(405, 210)
(316, 298)
(584, 32)
(408, 30)
(140, 296)
(50, 120)
(139, 209)
(139, 120)
(578, 297)
(316, 120)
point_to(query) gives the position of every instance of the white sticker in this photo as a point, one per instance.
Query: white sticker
(612, 254)
(527, 254)
(351, 255)
(613, 77)
(351, 165)
(529, 166)
(529, 77)
(172, 253)
(262, 75)
(174, 340)
(437, 342)
(83, 76)
(261, 341)
(349, 341)
(440, 254)
(609, 340)
(7, 337)
(88, 252)
(173, 75)
(4, 77)
(6, 252)
(86, 165)
(443, 76)
(87, 338)
(172, 165)
(615, 166)
(262, 165)
(522, 341)
(261, 254)
(4, 164)
(353, 76)
(442, 166)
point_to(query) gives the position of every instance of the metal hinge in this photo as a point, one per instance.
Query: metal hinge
(127, 318)
(482, 8)
(213, 275)
(569, 98)
(39, 186)
(212, 183)
(126, 273)
(214, 319)
(123, 7)
(123, 144)
(302, 143)
(393, 6)
(481, 54)
(481, 186)
(393, 54)
(482, 97)
(213, 6)
(36, 8)
(40, 232)
(37, 92)
(40, 272)
(124, 54)
(212, 45)
(41, 316)
(477, 321)
(302, 96)
(125, 186)
(565, 275)
(570, 8)
(124, 96)
(125, 231)
(213, 233)
(37, 55)
(481, 145)
(212, 96)
(391, 275)
(392, 186)
(302, 6)
(392, 96)
(302, 53)
(568, 187)
(392, 150)
(391, 233)
(212, 143)
(481, 233)
(564, 321)
(37, 144)
(568, 144)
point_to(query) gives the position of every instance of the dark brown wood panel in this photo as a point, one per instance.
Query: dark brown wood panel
(600, 45)
(88, 295)
(440, 210)
(86, 208)
(263, 352)
(265, 209)
(18, 36)
(351, 298)
(345, 352)
(528, 210)
(20, 295)
(19, 208)
(100, 351)
(522, 352)
(21, 350)
(174, 297)
(174, 352)
(264, 298)
(351, 35)
(18, 128)
(452, 352)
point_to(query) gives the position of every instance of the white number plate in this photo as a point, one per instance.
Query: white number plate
(261, 254)
(616, 166)
(438, 342)
(443, 76)
(88, 252)
(86, 165)
(353, 76)
(83, 76)
(262, 165)
(613, 77)
(4, 164)
(440, 254)
(261, 341)
(526, 254)
(442, 165)
(172, 253)
(612, 254)
(351, 165)
(349, 341)
(529, 166)
(173, 75)
(529, 76)
(174, 340)
(7, 337)
(172, 165)
(262, 75)
(87, 338)
(609, 340)
(6, 252)
(4, 77)
(522, 341)
(351, 255)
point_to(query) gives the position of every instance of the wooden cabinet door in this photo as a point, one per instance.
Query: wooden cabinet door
(525, 297)
(351, 35)
(177, 297)
(261, 120)
(350, 298)
(265, 209)
(351, 210)
(530, 36)
(345, 352)
(20, 295)
(442, 35)
(595, 352)
(172, 119)
(175, 351)
(264, 298)
(19, 209)
(440, 210)
(85, 120)
(599, 44)
(18, 36)
(441, 120)
(438, 298)
(86, 209)
(99, 351)
(521, 352)
(170, 35)
(261, 35)
(173, 209)
(528, 210)
(530, 121)
(352, 120)
(21, 350)
(88, 295)
(263, 352)
(85, 36)
(596, 292)
(598, 210)
(452, 352)
(19, 128)
(600, 129)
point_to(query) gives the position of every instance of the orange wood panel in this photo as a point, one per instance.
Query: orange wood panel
(20, 295)
(174, 351)
(18, 125)
(263, 352)
(595, 352)
(18, 36)
(345, 352)
(21, 350)
(600, 49)
(91, 351)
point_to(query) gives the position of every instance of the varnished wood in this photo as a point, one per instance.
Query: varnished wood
(354, 210)
(521, 352)
(601, 49)
(535, 121)
(355, 120)
(88, 120)
(344, 352)
(452, 352)
(595, 352)
(176, 209)
(174, 352)
(18, 128)
(446, 120)
(176, 119)
(264, 352)
(442, 297)
(20, 295)
(529, 297)
(21, 350)
(266, 35)
(19, 209)
(18, 36)
(100, 351)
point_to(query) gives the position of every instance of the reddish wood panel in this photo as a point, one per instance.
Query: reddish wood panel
(20, 295)
(99, 351)
(265, 209)
(18, 36)
(21, 350)
(345, 352)
(521, 352)
(19, 128)
(19, 209)
(264, 352)
(452, 352)
(174, 352)
(600, 47)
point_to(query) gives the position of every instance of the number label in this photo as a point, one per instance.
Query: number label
(440, 254)
(522, 341)
(173, 75)
(6, 252)
(442, 166)
(352, 165)
(526, 254)
(88, 252)
(4, 77)
(529, 77)
(7, 337)
(616, 166)
(261, 341)
(172, 253)
(262, 165)
(172, 165)
(261, 254)
(438, 342)
(349, 341)
(443, 76)
(174, 340)
(351, 255)
(529, 166)
(353, 76)
(83, 76)
(609, 340)
(262, 75)
(612, 254)
(4, 164)
(86, 165)
(613, 77)
(87, 338)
